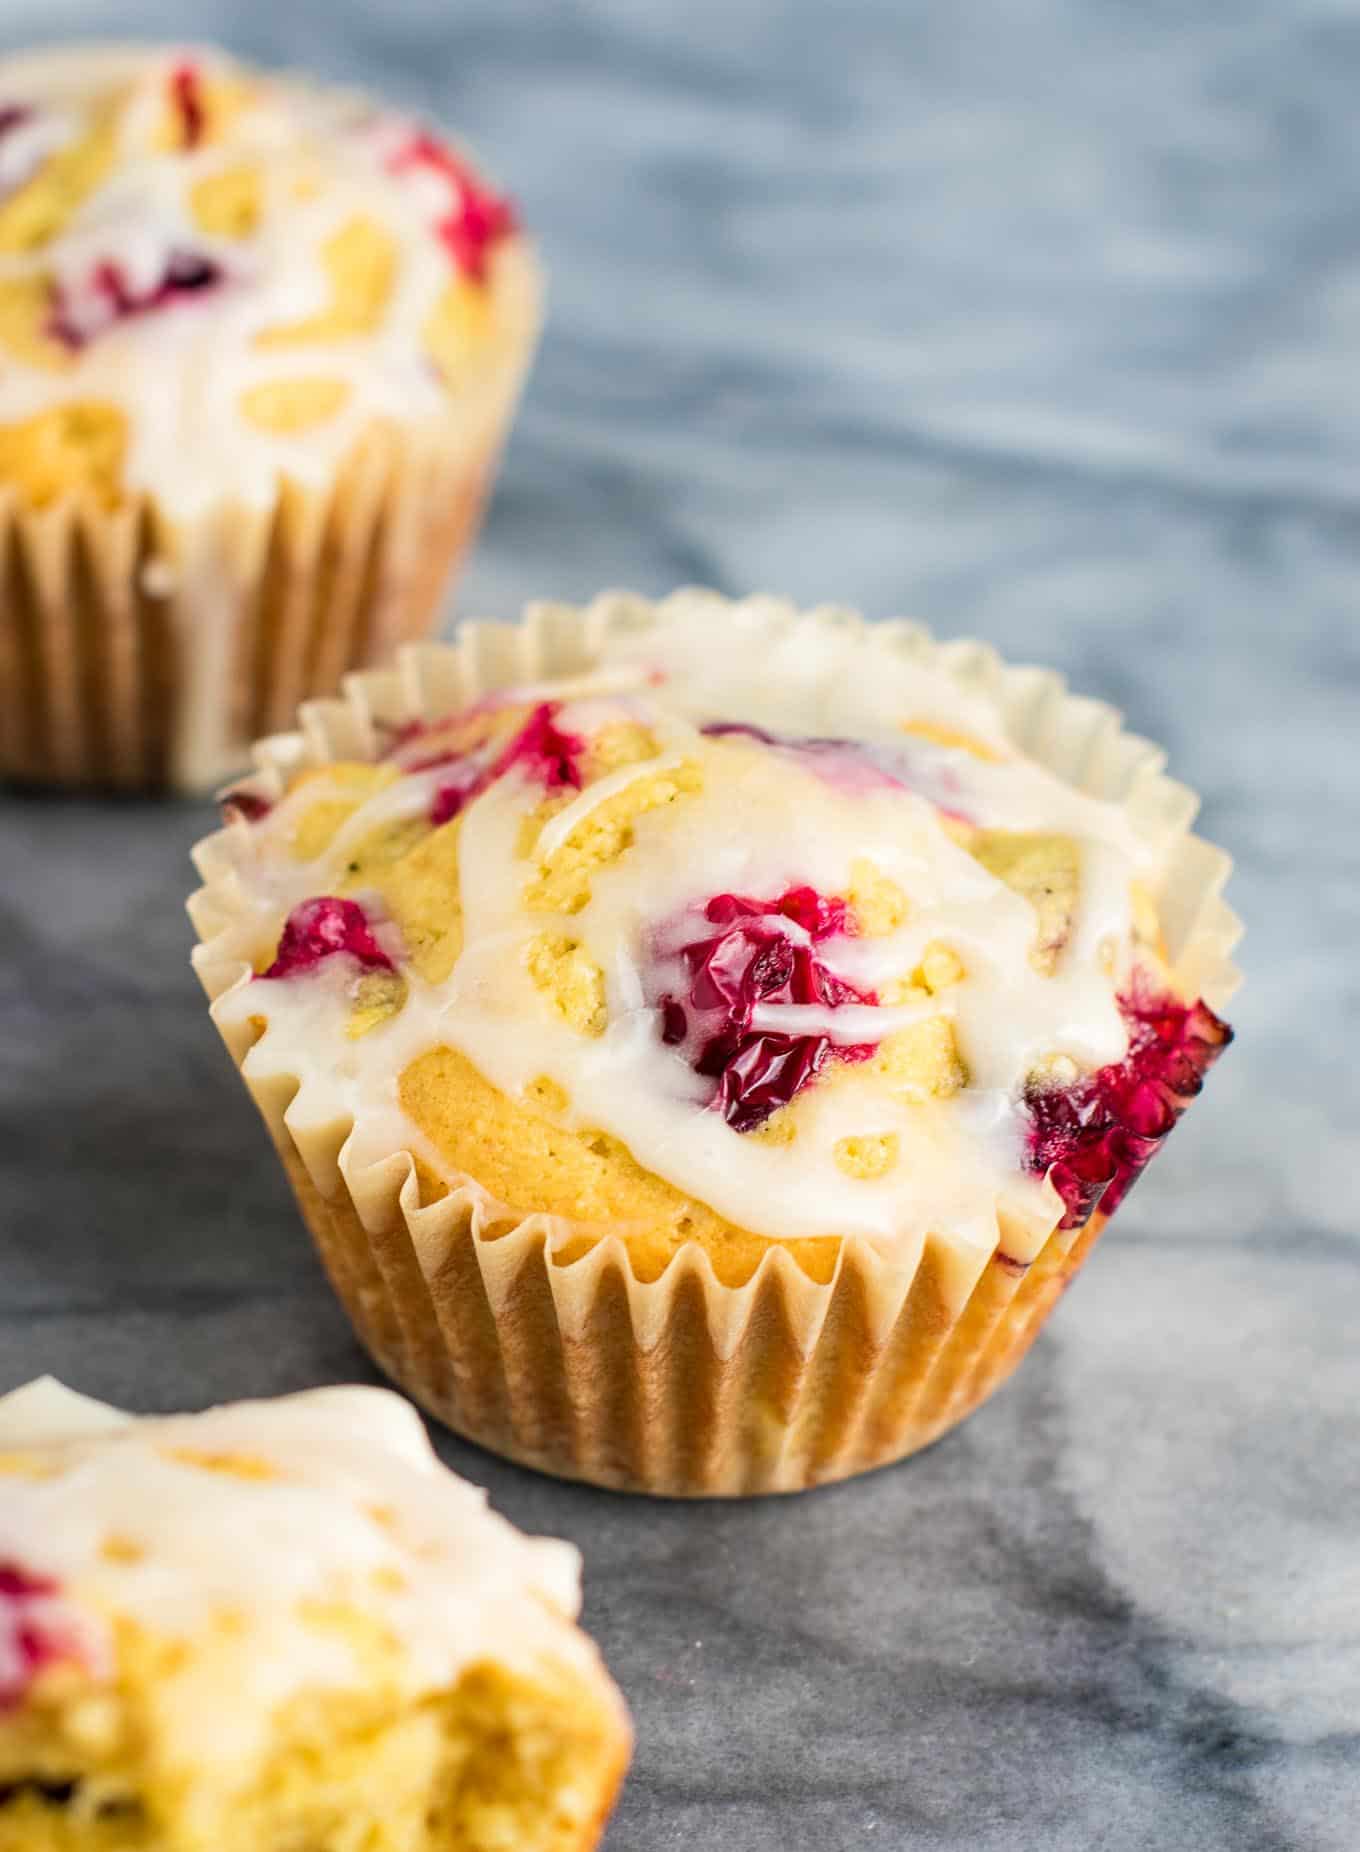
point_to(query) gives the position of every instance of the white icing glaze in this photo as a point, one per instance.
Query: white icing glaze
(769, 816)
(25, 147)
(357, 1512)
(179, 372)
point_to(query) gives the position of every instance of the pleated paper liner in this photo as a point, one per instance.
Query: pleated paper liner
(681, 1386)
(139, 652)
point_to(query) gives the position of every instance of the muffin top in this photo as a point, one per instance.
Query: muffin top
(285, 1543)
(745, 935)
(210, 276)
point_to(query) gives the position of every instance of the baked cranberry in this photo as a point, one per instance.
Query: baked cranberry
(540, 748)
(477, 218)
(1094, 1139)
(393, 738)
(187, 95)
(30, 1638)
(106, 297)
(246, 804)
(753, 960)
(860, 765)
(321, 928)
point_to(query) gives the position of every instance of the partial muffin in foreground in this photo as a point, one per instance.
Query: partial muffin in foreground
(280, 1625)
(704, 1039)
(260, 342)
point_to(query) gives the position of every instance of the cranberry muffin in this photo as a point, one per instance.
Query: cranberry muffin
(259, 345)
(281, 1624)
(704, 1040)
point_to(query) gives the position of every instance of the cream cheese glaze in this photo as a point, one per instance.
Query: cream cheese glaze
(183, 327)
(258, 1515)
(803, 771)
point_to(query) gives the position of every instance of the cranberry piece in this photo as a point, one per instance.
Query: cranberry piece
(1095, 1139)
(107, 297)
(12, 116)
(29, 1640)
(540, 748)
(394, 739)
(187, 95)
(247, 804)
(477, 219)
(320, 928)
(186, 272)
(858, 765)
(754, 960)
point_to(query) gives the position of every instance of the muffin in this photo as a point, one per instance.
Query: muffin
(282, 1624)
(259, 346)
(704, 1040)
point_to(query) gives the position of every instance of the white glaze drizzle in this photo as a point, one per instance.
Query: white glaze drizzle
(358, 1512)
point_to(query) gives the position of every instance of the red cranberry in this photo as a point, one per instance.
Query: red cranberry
(540, 748)
(749, 962)
(859, 765)
(246, 804)
(28, 1638)
(478, 218)
(393, 739)
(320, 928)
(106, 296)
(187, 96)
(1095, 1139)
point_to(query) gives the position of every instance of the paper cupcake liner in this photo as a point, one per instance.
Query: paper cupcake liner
(138, 653)
(681, 1386)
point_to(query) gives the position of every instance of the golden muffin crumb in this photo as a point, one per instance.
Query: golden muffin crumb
(347, 784)
(879, 906)
(228, 204)
(360, 262)
(563, 883)
(1045, 869)
(573, 982)
(378, 995)
(523, 1158)
(922, 1062)
(70, 449)
(867, 1157)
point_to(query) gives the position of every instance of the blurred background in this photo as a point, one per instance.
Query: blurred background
(1040, 322)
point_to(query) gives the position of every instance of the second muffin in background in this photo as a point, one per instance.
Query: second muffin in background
(705, 1039)
(260, 342)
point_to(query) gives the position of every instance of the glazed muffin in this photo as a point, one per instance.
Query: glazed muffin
(704, 1040)
(282, 1624)
(259, 346)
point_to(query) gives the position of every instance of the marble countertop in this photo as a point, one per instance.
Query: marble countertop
(1041, 322)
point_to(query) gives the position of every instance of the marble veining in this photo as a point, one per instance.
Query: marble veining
(1042, 325)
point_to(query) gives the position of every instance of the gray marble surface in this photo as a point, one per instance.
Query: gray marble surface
(1040, 321)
